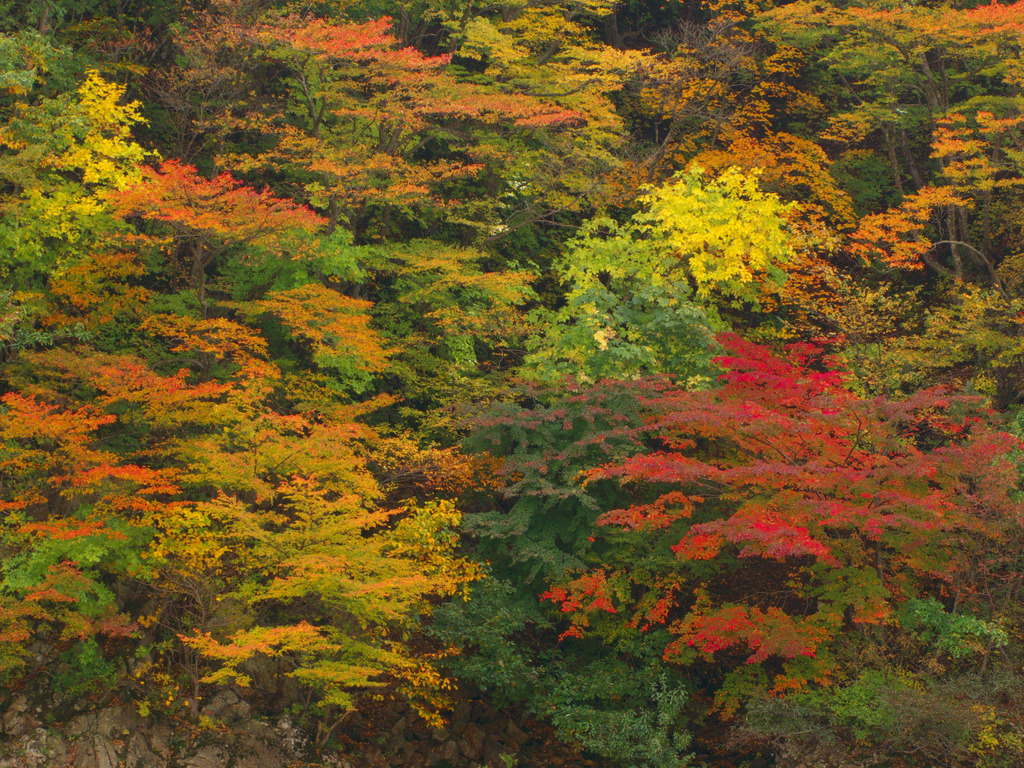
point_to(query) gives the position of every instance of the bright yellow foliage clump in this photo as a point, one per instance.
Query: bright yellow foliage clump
(66, 154)
(729, 232)
(93, 145)
(106, 156)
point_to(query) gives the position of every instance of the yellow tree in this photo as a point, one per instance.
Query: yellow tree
(62, 157)
(644, 297)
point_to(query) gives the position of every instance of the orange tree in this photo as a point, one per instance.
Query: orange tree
(220, 533)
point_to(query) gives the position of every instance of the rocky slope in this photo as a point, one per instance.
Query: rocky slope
(228, 736)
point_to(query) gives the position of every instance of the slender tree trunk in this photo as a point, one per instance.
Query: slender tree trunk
(894, 163)
(908, 156)
(612, 35)
(954, 247)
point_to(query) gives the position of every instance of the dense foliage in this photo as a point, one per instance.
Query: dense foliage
(653, 368)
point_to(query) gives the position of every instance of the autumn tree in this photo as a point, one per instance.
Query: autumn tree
(213, 505)
(906, 75)
(209, 217)
(363, 127)
(64, 155)
(793, 521)
(609, 694)
(645, 297)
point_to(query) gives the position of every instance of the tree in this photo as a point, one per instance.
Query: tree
(611, 695)
(363, 126)
(906, 74)
(76, 518)
(208, 505)
(549, 51)
(644, 297)
(209, 217)
(803, 517)
(66, 154)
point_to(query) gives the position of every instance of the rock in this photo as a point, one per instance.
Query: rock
(251, 751)
(38, 749)
(114, 722)
(460, 717)
(55, 747)
(16, 720)
(517, 734)
(466, 749)
(227, 707)
(397, 743)
(140, 755)
(95, 751)
(291, 737)
(159, 737)
(220, 701)
(449, 751)
(406, 760)
(491, 753)
(111, 723)
(19, 724)
(399, 727)
(82, 724)
(207, 757)
(475, 736)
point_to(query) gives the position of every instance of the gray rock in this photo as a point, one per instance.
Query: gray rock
(207, 757)
(159, 738)
(55, 747)
(140, 754)
(251, 751)
(95, 751)
(82, 724)
(220, 701)
(397, 743)
(16, 720)
(292, 737)
(491, 752)
(399, 727)
(38, 749)
(227, 707)
(19, 723)
(111, 723)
